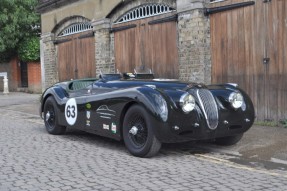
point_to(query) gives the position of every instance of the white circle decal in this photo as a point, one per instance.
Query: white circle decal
(71, 111)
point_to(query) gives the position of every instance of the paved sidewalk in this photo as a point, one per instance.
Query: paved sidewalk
(31, 159)
(260, 142)
(19, 101)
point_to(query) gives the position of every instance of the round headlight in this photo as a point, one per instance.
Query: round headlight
(236, 100)
(187, 102)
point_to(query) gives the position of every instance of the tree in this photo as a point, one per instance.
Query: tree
(18, 22)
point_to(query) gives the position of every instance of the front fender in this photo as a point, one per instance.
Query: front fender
(154, 101)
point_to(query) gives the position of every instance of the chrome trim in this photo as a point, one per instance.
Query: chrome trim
(133, 130)
(48, 115)
(204, 109)
(233, 84)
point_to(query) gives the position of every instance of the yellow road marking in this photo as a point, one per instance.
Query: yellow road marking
(234, 165)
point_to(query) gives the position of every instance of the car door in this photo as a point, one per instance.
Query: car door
(100, 112)
(75, 108)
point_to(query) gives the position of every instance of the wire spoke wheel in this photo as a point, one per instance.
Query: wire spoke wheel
(140, 137)
(138, 133)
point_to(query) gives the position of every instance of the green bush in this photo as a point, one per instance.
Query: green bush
(29, 49)
(19, 21)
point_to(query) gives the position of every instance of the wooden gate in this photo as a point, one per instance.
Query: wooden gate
(149, 42)
(249, 48)
(24, 74)
(76, 57)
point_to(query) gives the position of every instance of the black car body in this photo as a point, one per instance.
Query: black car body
(147, 112)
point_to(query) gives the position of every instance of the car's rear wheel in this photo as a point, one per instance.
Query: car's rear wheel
(231, 140)
(138, 133)
(51, 117)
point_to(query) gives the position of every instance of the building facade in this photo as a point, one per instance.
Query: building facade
(205, 41)
(85, 37)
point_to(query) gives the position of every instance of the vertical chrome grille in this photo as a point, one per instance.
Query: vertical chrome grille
(208, 105)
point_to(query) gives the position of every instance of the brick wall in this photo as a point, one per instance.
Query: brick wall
(14, 76)
(194, 43)
(34, 77)
(49, 60)
(13, 72)
(102, 54)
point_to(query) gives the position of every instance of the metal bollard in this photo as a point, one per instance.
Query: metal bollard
(6, 89)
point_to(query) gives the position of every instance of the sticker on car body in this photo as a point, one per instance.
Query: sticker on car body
(88, 114)
(114, 128)
(106, 127)
(71, 111)
(105, 112)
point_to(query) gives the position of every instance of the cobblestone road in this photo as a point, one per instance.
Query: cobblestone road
(31, 159)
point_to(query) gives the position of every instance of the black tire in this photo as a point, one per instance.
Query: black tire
(227, 141)
(51, 117)
(143, 143)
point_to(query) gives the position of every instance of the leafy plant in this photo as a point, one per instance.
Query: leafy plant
(29, 49)
(18, 21)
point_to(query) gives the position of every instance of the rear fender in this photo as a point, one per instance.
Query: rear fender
(57, 92)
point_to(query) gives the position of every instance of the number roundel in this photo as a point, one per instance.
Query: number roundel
(71, 111)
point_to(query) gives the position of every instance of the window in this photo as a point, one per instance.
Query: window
(144, 12)
(76, 28)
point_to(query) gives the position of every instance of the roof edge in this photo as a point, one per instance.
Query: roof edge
(49, 5)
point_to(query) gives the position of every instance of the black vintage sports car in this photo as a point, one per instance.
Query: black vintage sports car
(147, 112)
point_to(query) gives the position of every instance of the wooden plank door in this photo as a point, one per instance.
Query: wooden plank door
(127, 46)
(238, 49)
(147, 44)
(24, 74)
(76, 57)
(85, 56)
(161, 51)
(66, 60)
(276, 46)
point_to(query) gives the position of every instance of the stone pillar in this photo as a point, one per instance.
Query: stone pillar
(48, 60)
(102, 46)
(194, 42)
(6, 89)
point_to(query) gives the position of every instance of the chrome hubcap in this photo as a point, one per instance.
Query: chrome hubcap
(133, 130)
(48, 115)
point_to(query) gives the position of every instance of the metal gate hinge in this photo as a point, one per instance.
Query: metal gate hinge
(266, 60)
(267, 1)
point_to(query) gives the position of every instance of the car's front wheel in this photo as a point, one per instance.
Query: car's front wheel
(51, 117)
(227, 141)
(138, 133)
